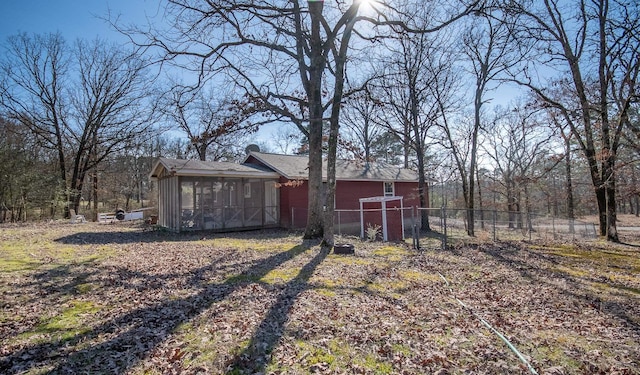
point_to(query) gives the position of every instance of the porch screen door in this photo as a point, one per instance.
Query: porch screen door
(270, 203)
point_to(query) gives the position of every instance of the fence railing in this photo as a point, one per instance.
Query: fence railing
(495, 225)
(448, 225)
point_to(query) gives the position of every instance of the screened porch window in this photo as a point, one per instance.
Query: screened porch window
(223, 203)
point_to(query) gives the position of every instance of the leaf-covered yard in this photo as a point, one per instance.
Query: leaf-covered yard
(94, 298)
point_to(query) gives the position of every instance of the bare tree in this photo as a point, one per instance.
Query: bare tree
(596, 54)
(83, 117)
(415, 91)
(27, 186)
(518, 146)
(565, 133)
(112, 107)
(34, 74)
(359, 120)
(284, 138)
(486, 44)
(289, 55)
(212, 121)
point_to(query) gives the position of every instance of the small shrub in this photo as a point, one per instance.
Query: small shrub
(373, 231)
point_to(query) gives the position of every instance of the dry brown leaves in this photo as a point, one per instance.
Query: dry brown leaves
(115, 299)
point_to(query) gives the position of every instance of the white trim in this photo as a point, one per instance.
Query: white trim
(393, 188)
(383, 200)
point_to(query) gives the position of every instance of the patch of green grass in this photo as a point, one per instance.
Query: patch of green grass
(280, 275)
(375, 365)
(571, 271)
(184, 327)
(325, 286)
(23, 264)
(392, 253)
(241, 347)
(391, 288)
(557, 248)
(65, 326)
(273, 276)
(321, 356)
(555, 347)
(618, 287)
(597, 256)
(398, 348)
(248, 244)
(335, 354)
(29, 254)
(419, 276)
(201, 345)
(326, 292)
(17, 256)
(561, 347)
(555, 354)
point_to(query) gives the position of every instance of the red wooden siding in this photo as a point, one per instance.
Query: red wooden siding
(293, 197)
(372, 216)
(409, 191)
(348, 193)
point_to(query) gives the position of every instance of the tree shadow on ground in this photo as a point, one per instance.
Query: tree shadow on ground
(254, 358)
(119, 343)
(629, 244)
(117, 236)
(575, 288)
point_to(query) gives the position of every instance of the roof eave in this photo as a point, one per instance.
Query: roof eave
(218, 173)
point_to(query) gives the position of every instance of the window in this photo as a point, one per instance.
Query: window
(388, 189)
(247, 190)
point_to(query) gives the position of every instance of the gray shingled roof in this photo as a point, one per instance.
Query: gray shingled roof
(294, 167)
(183, 167)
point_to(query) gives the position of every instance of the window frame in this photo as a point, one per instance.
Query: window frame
(392, 193)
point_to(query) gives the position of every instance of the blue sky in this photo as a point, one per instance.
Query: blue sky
(72, 18)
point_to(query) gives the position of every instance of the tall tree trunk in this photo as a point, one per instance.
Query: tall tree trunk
(569, 185)
(340, 60)
(610, 190)
(94, 157)
(509, 195)
(480, 203)
(94, 212)
(315, 226)
(473, 160)
(202, 150)
(423, 195)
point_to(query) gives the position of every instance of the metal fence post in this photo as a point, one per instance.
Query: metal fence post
(444, 227)
(415, 232)
(495, 221)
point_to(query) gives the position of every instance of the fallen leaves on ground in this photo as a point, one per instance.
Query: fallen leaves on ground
(116, 299)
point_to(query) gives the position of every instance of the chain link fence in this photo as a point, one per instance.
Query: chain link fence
(450, 225)
(447, 226)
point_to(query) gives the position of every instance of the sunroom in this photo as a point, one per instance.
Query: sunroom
(219, 196)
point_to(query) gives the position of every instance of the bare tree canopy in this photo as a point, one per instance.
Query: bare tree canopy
(83, 101)
(292, 57)
(213, 121)
(584, 62)
(486, 46)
